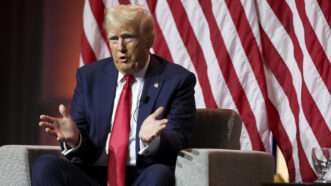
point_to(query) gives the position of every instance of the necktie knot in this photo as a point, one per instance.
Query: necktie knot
(129, 79)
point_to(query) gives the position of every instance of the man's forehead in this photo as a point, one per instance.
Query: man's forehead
(122, 30)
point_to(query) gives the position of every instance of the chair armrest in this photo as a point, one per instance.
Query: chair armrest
(15, 161)
(223, 167)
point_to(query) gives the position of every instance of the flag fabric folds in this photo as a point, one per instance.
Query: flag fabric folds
(269, 60)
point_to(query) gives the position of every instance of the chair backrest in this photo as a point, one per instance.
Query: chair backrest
(216, 128)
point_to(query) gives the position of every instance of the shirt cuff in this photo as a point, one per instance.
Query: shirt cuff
(149, 149)
(68, 149)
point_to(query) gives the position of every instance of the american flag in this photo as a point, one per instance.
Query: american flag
(267, 59)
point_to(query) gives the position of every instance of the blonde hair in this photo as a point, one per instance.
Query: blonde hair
(135, 15)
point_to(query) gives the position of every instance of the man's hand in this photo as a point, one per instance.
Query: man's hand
(152, 126)
(63, 128)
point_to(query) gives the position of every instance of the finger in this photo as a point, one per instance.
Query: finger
(163, 121)
(63, 110)
(160, 129)
(46, 125)
(48, 118)
(157, 129)
(158, 112)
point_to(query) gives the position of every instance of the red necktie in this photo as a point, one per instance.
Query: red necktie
(119, 139)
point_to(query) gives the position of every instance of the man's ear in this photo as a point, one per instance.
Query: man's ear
(149, 42)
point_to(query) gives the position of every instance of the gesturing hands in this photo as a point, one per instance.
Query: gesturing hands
(63, 128)
(152, 126)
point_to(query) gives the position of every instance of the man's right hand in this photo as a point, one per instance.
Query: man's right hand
(63, 128)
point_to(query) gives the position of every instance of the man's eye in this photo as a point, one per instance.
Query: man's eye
(129, 36)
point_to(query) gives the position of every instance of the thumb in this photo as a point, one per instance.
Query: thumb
(158, 112)
(63, 110)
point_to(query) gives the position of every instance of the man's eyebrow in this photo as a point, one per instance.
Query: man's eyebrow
(112, 37)
(128, 35)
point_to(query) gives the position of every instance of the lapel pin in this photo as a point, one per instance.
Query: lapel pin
(156, 85)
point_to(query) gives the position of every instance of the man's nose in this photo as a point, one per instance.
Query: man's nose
(122, 45)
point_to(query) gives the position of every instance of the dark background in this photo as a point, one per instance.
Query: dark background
(40, 44)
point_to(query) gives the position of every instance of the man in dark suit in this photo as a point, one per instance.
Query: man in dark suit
(130, 114)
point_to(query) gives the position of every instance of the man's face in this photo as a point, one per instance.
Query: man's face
(128, 48)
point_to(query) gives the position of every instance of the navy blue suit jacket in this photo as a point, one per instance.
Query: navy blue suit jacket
(92, 107)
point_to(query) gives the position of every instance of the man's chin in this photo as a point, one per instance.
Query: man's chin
(127, 70)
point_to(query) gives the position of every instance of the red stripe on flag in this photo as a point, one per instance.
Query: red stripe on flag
(231, 78)
(194, 49)
(86, 51)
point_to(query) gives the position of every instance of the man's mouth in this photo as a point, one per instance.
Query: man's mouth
(123, 59)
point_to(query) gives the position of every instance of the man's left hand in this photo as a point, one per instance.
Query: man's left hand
(152, 126)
